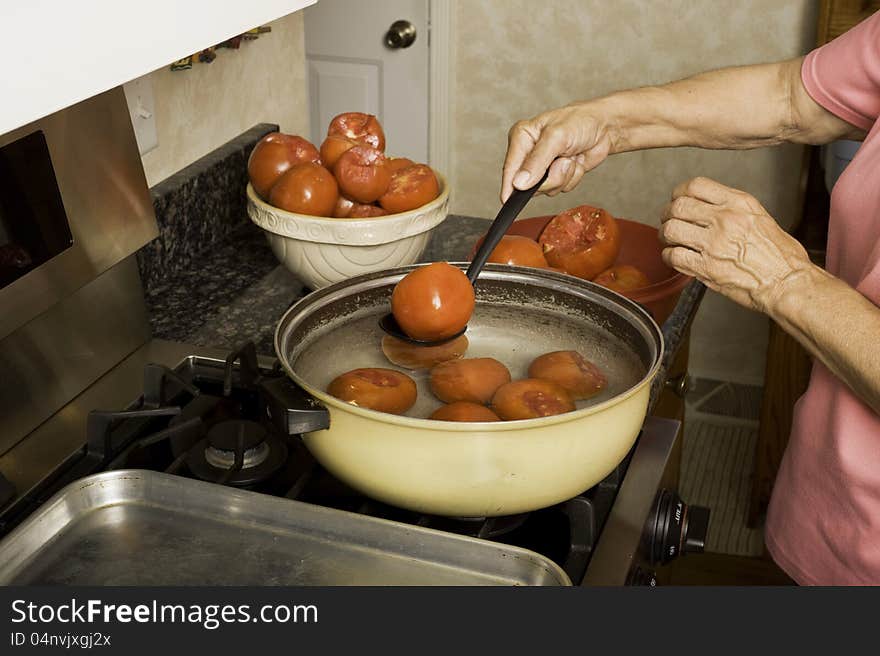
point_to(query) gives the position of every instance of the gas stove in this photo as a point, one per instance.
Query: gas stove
(86, 390)
(228, 419)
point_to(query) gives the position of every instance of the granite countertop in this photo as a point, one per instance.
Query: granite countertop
(237, 291)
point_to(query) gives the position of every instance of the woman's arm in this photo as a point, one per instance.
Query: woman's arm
(725, 238)
(741, 107)
(838, 326)
(736, 108)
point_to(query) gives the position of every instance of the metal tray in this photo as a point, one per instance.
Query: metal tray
(134, 527)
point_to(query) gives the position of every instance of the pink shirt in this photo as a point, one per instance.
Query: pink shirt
(823, 524)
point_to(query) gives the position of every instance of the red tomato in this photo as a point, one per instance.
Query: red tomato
(433, 302)
(306, 189)
(472, 379)
(278, 137)
(515, 249)
(464, 411)
(410, 187)
(362, 174)
(397, 163)
(363, 128)
(273, 155)
(303, 150)
(385, 390)
(413, 356)
(364, 211)
(622, 278)
(332, 149)
(571, 371)
(583, 241)
(530, 398)
(343, 207)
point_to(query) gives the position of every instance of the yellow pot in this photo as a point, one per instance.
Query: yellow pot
(476, 469)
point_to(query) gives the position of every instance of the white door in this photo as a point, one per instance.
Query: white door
(351, 69)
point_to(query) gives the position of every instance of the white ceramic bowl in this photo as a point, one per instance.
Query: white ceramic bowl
(321, 251)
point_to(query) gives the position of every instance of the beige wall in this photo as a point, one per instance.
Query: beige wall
(515, 58)
(199, 109)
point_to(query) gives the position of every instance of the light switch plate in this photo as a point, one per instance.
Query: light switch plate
(142, 109)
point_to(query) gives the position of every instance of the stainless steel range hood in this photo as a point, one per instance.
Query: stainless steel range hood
(75, 207)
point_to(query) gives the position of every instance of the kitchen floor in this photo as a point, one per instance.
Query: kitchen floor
(721, 430)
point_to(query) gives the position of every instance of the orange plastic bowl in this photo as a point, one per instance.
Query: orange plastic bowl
(640, 247)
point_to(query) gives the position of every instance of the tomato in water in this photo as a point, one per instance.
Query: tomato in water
(364, 211)
(464, 411)
(415, 356)
(472, 379)
(362, 174)
(583, 240)
(332, 149)
(530, 398)
(385, 390)
(571, 371)
(518, 250)
(273, 155)
(433, 302)
(622, 278)
(306, 189)
(359, 127)
(409, 188)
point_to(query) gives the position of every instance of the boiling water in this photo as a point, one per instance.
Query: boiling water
(512, 335)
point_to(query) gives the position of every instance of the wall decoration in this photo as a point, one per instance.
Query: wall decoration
(208, 55)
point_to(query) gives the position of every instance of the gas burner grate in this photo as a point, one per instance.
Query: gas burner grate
(237, 452)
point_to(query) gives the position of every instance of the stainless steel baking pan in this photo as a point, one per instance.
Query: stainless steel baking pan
(134, 527)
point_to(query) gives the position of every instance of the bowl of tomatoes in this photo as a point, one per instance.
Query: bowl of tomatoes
(345, 208)
(589, 243)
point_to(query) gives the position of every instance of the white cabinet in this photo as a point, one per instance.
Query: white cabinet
(55, 53)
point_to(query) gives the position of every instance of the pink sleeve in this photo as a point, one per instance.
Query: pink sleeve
(844, 75)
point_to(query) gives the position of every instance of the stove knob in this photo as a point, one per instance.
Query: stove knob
(674, 528)
(695, 530)
(641, 576)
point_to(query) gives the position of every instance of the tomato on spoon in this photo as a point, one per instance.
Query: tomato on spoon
(433, 302)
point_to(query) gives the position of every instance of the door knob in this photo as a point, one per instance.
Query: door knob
(401, 34)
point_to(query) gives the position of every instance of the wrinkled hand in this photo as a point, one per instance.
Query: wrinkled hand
(575, 136)
(726, 239)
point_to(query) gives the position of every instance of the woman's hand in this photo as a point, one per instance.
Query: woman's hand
(575, 136)
(726, 239)
(739, 107)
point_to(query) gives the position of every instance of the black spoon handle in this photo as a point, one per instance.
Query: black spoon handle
(509, 211)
